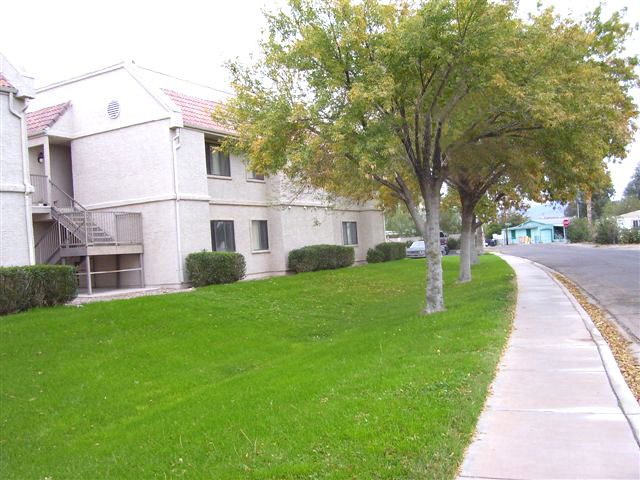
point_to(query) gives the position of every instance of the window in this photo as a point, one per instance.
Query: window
(513, 234)
(217, 162)
(636, 224)
(255, 176)
(222, 236)
(259, 235)
(350, 233)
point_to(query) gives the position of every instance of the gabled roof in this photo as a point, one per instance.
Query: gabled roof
(4, 83)
(634, 214)
(44, 118)
(196, 112)
(532, 223)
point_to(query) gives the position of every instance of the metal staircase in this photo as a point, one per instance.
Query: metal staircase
(75, 229)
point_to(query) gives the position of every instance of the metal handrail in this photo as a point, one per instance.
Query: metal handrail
(70, 201)
(48, 245)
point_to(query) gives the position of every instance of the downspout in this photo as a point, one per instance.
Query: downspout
(28, 189)
(175, 143)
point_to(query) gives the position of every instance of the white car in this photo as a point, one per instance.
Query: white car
(417, 250)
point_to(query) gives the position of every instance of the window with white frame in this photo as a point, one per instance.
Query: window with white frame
(635, 224)
(222, 236)
(259, 235)
(218, 163)
(350, 233)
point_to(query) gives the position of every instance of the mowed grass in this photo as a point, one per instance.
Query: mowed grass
(322, 375)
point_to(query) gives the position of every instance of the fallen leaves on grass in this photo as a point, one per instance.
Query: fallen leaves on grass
(619, 345)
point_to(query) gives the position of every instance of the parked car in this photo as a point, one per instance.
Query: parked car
(444, 240)
(417, 250)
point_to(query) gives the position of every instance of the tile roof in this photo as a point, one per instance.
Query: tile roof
(4, 83)
(196, 112)
(45, 117)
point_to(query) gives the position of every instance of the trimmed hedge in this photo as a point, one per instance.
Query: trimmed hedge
(22, 288)
(453, 243)
(607, 231)
(320, 257)
(208, 268)
(385, 252)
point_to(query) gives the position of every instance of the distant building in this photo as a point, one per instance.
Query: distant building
(629, 220)
(544, 230)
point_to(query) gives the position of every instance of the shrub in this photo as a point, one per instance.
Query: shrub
(320, 257)
(630, 235)
(453, 243)
(374, 256)
(385, 252)
(392, 251)
(606, 231)
(26, 287)
(207, 268)
(579, 231)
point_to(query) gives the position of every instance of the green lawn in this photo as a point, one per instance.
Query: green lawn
(321, 375)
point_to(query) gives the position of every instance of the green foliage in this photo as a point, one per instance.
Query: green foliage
(578, 231)
(207, 268)
(204, 384)
(367, 98)
(375, 256)
(453, 243)
(398, 220)
(620, 207)
(22, 288)
(607, 231)
(630, 235)
(321, 257)
(386, 252)
(599, 202)
(632, 189)
(450, 221)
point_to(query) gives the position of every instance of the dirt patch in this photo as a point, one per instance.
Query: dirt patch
(618, 344)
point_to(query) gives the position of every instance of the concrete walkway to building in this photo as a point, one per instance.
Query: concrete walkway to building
(559, 407)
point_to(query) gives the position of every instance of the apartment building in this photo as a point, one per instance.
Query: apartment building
(127, 181)
(16, 232)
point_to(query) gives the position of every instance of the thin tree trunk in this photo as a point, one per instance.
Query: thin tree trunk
(480, 238)
(434, 294)
(587, 200)
(466, 243)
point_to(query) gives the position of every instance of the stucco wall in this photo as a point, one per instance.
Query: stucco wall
(61, 170)
(126, 165)
(16, 233)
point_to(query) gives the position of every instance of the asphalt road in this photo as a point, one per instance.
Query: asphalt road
(610, 275)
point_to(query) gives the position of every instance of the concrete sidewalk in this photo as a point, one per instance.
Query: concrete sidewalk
(559, 408)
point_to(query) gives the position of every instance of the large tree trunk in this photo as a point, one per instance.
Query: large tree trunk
(587, 200)
(466, 243)
(434, 294)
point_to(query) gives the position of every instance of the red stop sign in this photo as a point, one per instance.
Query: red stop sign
(565, 222)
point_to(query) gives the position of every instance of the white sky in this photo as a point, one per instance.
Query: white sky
(190, 39)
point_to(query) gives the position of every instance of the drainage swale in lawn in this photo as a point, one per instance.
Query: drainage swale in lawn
(328, 374)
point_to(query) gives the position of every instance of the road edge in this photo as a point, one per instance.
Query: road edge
(626, 400)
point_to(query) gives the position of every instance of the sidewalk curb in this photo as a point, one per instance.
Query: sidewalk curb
(628, 403)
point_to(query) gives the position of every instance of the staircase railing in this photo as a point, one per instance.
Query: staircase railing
(40, 194)
(63, 201)
(48, 245)
(75, 226)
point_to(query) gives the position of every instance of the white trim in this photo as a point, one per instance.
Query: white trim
(268, 249)
(219, 177)
(138, 201)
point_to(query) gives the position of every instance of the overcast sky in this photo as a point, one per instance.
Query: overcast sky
(189, 39)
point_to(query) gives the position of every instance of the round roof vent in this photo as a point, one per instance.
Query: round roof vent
(113, 110)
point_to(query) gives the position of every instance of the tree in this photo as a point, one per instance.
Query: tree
(356, 98)
(398, 220)
(633, 187)
(599, 200)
